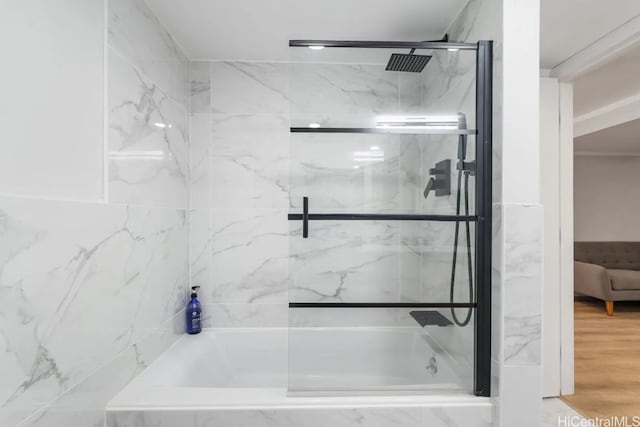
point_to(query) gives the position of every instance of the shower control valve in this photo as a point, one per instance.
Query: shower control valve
(440, 180)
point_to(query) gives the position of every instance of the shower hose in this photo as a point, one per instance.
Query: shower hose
(462, 170)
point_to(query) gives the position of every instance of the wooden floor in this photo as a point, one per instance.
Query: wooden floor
(607, 360)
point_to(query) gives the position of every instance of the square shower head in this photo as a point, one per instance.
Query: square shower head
(407, 62)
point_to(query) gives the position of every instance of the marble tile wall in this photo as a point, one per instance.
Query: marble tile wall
(248, 172)
(87, 401)
(148, 103)
(239, 191)
(92, 286)
(80, 284)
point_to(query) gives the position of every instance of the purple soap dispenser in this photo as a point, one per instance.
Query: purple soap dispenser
(193, 313)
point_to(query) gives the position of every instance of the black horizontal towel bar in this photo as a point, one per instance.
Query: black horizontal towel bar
(384, 131)
(382, 217)
(381, 305)
(380, 44)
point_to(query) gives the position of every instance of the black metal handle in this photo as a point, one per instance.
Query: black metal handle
(305, 217)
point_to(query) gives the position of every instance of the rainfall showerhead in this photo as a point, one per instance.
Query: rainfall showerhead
(408, 62)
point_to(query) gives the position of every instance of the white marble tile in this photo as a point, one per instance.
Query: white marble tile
(200, 86)
(250, 87)
(81, 282)
(412, 179)
(496, 390)
(148, 152)
(472, 416)
(402, 416)
(449, 84)
(200, 161)
(13, 416)
(52, 103)
(331, 92)
(250, 161)
(437, 242)
(245, 315)
(87, 401)
(200, 248)
(410, 262)
(346, 172)
(497, 291)
(136, 33)
(479, 20)
(345, 261)
(249, 261)
(338, 417)
(410, 193)
(522, 285)
(410, 89)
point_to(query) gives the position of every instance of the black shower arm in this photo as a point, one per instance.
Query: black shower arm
(444, 39)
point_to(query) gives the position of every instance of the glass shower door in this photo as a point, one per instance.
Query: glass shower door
(382, 293)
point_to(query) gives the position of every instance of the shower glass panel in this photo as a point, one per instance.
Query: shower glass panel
(383, 223)
(377, 173)
(378, 262)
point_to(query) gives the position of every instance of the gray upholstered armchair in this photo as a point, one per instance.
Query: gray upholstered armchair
(609, 271)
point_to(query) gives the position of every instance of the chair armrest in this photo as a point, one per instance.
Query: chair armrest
(592, 280)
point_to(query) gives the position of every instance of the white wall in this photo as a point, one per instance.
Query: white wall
(550, 197)
(556, 194)
(517, 241)
(52, 103)
(606, 198)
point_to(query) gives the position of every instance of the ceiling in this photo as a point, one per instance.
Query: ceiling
(568, 26)
(260, 30)
(621, 139)
(608, 83)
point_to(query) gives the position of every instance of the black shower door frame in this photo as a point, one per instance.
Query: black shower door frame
(483, 199)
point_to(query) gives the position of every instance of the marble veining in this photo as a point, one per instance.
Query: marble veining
(136, 33)
(343, 89)
(409, 416)
(200, 247)
(345, 172)
(200, 87)
(88, 399)
(345, 261)
(148, 151)
(250, 87)
(522, 278)
(250, 161)
(77, 254)
(260, 239)
(87, 288)
(200, 162)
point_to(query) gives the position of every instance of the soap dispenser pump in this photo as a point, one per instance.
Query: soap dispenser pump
(193, 313)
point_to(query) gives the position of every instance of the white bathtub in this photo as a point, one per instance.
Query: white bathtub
(240, 377)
